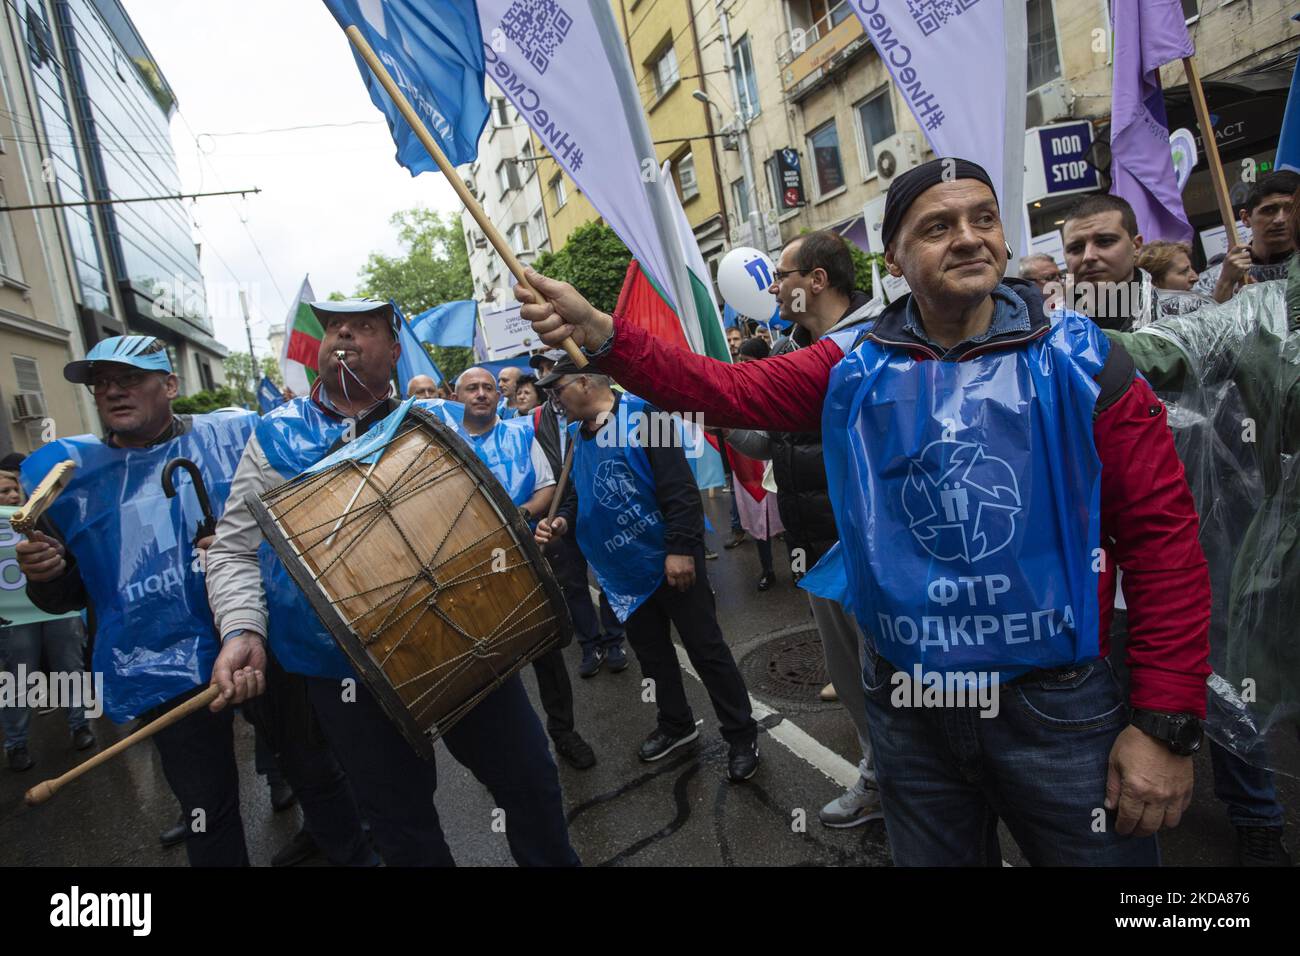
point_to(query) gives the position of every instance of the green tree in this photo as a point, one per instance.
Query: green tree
(201, 402)
(433, 269)
(594, 261)
(271, 369)
(242, 376)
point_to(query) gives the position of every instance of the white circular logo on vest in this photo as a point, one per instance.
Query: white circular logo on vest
(615, 484)
(960, 501)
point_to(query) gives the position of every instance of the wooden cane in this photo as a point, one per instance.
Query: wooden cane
(42, 496)
(48, 788)
(421, 131)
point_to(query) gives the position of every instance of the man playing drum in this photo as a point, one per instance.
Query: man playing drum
(500, 740)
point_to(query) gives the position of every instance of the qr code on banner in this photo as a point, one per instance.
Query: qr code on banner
(537, 27)
(930, 15)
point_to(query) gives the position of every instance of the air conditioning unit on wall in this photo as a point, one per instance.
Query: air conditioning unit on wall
(896, 155)
(28, 405)
(1048, 104)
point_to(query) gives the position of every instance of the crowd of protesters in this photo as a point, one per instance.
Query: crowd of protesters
(813, 412)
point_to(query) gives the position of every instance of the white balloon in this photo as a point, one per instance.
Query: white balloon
(744, 275)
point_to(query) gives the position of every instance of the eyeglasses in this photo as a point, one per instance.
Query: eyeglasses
(126, 381)
(780, 276)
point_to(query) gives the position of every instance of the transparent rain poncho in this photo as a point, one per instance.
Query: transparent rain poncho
(1230, 375)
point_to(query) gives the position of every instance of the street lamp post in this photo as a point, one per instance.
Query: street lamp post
(742, 128)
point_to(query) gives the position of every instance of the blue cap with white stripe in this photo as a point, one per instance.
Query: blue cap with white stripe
(139, 351)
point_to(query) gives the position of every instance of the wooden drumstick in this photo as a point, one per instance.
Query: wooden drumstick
(564, 480)
(42, 496)
(355, 495)
(48, 788)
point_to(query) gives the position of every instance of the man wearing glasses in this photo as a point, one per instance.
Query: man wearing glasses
(130, 557)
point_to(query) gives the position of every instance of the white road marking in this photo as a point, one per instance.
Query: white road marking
(804, 746)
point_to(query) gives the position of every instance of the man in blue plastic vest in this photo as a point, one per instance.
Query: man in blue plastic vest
(501, 740)
(514, 456)
(125, 552)
(637, 513)
(991, 463)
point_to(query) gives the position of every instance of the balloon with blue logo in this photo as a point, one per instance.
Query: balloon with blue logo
(1182, 144)
(744, 276)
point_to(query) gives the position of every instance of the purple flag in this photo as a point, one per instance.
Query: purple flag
(1147, 34)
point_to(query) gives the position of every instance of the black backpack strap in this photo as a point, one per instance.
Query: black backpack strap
(1114, 378)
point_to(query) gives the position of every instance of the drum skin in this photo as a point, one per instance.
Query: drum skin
(431, 584)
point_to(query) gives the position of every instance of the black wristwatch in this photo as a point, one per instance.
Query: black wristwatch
(1181, 733)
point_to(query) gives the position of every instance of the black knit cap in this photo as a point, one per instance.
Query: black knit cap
(904, 190)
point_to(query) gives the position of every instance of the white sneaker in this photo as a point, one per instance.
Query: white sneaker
(857, 805)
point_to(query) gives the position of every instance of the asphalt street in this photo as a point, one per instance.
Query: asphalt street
(680, 811)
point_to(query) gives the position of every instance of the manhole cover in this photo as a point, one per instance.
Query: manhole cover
(790, 667)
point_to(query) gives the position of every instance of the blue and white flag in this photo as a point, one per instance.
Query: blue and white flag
(268, 395)
(927, 45)
(449, 324)
(1288, 144)
(414, 360)
(435, 55)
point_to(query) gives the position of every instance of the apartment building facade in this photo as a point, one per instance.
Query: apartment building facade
(507, 183)
(88, 113)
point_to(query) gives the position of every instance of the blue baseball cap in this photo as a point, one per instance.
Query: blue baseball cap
(324, 310)
(139, 351)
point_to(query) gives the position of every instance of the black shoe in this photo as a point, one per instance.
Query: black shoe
(767, 580)
(282, 795)
(710, 555)
(83, 738)
(577, 753)
(298, 850)
(616, 658)
(742, 763)
(737, 539)
(592, 658)
(661, 743)
(174, 836)
(19, 759)
(1261, 846)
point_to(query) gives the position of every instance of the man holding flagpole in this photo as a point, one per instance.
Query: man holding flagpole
(990, 465)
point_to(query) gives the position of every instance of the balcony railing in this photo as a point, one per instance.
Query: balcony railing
(802, 55)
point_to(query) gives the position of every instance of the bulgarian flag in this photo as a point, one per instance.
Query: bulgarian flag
(643, 303)
(302, 338)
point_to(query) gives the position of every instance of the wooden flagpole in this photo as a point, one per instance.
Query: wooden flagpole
(412, 118)
(1211, 151)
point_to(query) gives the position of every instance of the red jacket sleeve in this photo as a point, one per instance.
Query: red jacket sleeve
(1149, 528)
(783, 393)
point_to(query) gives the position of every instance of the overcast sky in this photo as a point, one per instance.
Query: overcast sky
(249, 65)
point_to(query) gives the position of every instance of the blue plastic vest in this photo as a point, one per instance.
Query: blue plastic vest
(506, 450)
(294, 437)
(620, 527)
(967, 497)
(155, 638)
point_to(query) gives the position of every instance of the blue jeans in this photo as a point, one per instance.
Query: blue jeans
(502, 743)
(64, 643)
(948, 775)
